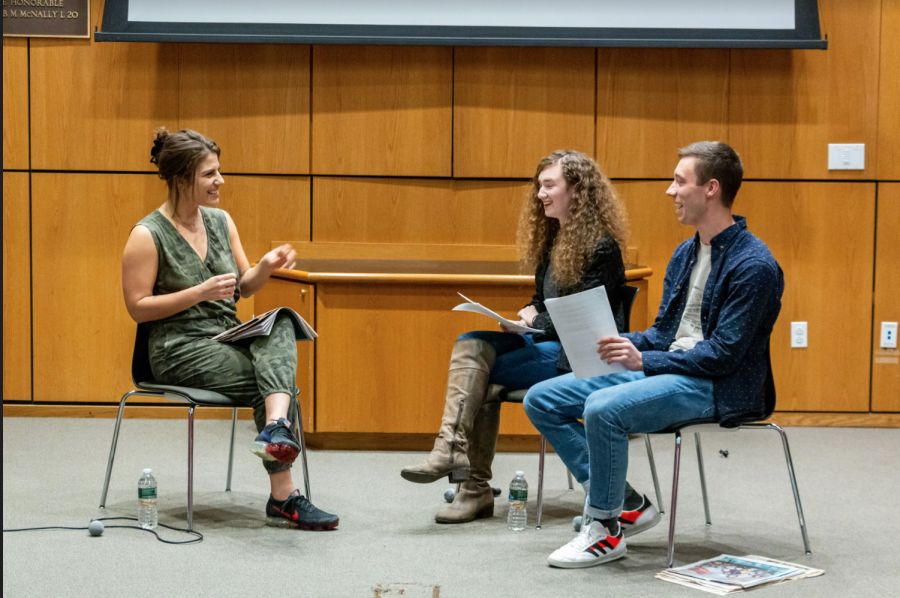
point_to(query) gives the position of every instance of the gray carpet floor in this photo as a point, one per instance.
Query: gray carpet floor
(388, 544)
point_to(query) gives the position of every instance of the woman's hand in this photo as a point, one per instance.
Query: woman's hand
(527, 315)
(218, 287)
(520, 323)
(253, 279)
(282, 257)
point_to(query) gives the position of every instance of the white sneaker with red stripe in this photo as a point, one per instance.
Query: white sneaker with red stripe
(639, 520)
(592, 546)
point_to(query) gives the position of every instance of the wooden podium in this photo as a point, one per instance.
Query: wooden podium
(386, 329)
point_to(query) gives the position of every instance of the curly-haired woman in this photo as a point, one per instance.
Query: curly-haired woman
(572, 232)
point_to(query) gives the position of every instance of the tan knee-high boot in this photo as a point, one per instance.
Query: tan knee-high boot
(475, 498)
(467, 382)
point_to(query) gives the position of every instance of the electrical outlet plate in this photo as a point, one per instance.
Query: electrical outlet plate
(798, 335)
(846, 156)
(888, 335)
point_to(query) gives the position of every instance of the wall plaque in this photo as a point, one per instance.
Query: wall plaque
(46, 18)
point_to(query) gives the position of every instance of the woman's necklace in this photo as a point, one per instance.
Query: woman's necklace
(182, 225)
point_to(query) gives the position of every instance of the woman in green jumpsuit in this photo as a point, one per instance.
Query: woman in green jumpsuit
(183, 271)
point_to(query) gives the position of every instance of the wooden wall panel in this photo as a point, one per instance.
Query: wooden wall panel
(253, 100)
(785, 107)
(889, 93)
(652, 101)
(352, 210)
(95, 106)
(382, 110)
(15, 103)
(388, 327)
(266, 209)
(823, 236)
(16, 288)
(886, 362)
(83, 335)
(513, 106)
(655, 231)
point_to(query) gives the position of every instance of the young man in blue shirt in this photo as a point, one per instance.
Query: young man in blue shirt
(704, 356)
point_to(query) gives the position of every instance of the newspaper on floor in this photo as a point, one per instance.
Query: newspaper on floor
(726, 574)
(262, 326)
(477, 308)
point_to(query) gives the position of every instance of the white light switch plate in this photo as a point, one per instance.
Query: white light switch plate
(888, 335)
(846, 156)
(798, 335)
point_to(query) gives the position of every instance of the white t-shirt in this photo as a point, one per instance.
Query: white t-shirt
(690, 331)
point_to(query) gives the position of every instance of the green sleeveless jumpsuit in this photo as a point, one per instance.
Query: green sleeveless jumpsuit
(181, 350)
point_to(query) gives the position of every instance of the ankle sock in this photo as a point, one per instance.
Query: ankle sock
(632, 498)
(611, 525)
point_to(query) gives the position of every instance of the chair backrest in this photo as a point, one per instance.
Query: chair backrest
(627, 295)
(769, 384)
(140, 358)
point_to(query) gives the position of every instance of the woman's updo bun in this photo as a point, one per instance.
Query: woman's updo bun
(158, 144)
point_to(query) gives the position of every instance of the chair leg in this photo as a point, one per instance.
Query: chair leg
(702, 478)
(671, 560)
(112, 449)
(190, 505)
(231, 450)
(659, 500)
(540, 502)
(299, 425)
(793, 476)
(571, 481)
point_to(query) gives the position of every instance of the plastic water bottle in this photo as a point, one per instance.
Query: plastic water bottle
(518, 497)
(147, 515)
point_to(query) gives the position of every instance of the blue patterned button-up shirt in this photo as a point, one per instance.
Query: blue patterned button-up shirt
(741, 302)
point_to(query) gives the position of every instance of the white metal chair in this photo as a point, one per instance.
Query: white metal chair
(709, 425)
(146, 386)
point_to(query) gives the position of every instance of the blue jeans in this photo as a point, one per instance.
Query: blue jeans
(521, 363)
(612, 407)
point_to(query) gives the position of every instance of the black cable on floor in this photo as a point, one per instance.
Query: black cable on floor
(198, 538)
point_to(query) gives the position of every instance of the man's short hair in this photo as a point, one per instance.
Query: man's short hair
(716, 160)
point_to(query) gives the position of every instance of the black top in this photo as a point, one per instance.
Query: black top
(605, 268)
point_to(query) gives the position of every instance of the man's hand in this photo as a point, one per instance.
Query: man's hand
(527, 315)
(616, 349)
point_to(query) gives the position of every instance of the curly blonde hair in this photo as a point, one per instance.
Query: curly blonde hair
(595, 211)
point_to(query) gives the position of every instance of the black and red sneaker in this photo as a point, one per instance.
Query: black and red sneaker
(276, 442)
(640, 519)
(298, 512)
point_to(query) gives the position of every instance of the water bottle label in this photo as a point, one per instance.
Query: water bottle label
(521, 495)
(146, 493)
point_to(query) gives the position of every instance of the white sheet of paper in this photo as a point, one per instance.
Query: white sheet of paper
(477, 308)
(581, 320)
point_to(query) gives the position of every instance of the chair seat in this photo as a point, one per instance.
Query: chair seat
(705, 421)
(516, 396)
(710, 424)
(206, 398)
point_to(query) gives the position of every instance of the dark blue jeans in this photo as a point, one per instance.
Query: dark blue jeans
(521, 363)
